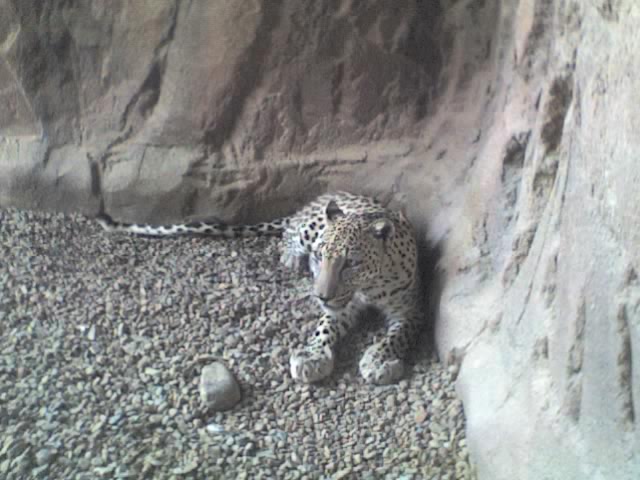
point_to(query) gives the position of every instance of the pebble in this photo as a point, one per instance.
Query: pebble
(421, 415)
(342, 473)
(390, 402)
(215, 428)
(44, 456)
(185, 469)
(219, 389)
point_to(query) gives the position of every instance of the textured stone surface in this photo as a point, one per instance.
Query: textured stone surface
(219, 389)
(166, 109)
(541, 296)
(509, 129)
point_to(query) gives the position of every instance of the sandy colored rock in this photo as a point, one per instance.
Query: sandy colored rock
(166, 109)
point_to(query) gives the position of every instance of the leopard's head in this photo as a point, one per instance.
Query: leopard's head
(352, 254)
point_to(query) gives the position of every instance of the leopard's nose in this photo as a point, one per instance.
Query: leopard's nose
(325, 285)
(323, 292)
(322, 298)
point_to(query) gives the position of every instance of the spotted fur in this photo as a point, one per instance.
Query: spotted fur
(365, 258)
(360, 254)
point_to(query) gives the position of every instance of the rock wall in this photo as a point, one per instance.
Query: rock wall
(541, 302)
(169, 109)
(507, 129)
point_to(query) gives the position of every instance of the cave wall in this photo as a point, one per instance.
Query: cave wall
(506, 129)
(168, 109)
(541, 304)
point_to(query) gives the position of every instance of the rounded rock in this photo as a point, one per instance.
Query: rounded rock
(219, 389)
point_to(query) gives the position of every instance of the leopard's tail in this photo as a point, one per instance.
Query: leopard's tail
(211, 229)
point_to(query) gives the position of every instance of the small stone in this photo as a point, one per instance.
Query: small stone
(215, 428)
(219, 389)
(44, 456)
(155, 419)
(391, 401)
(421, 415)
(342, 473)
(185, 469)
(116, 417)
(369, 453)
(105, 471)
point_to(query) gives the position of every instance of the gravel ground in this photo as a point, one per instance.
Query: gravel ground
(103, 337)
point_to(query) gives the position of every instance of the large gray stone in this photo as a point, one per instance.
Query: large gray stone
(219, 389)
(508, 129)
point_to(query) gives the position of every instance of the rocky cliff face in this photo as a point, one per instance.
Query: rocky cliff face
(508, 129)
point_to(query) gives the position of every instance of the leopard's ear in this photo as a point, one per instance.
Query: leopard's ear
(332, 211)
(382, 228)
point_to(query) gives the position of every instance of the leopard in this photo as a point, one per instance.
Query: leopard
(360, 255)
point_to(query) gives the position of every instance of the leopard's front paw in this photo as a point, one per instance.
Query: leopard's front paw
(379, 370)
(310, 366)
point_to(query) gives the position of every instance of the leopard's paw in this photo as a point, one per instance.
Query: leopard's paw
(310, 366)
(378, 370)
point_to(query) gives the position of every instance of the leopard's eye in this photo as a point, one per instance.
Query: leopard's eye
(350, 263)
